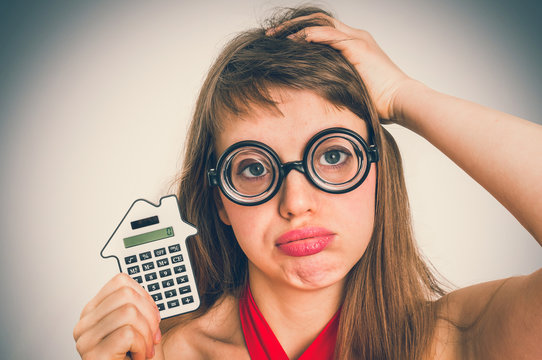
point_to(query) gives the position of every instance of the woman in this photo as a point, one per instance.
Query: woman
(315, 258)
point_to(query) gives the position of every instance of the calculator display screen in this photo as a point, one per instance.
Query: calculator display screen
(148, 237)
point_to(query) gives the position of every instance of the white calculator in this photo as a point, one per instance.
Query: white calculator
(150, 246)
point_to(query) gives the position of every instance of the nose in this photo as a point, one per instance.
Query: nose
(297, 195)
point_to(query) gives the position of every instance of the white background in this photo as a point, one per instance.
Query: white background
(94, 104)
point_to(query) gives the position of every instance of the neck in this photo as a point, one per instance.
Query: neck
(295, 315)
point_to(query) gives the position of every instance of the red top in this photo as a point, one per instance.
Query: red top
(262, 343)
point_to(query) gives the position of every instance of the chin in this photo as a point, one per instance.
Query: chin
(317, 277)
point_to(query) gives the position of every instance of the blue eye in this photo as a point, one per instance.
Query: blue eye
(254, 170)
(333, 157)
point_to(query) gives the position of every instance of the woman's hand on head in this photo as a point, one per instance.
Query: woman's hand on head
(122, 318)
(381, 76)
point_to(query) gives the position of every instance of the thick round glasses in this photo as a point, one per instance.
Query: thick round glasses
(336, 160)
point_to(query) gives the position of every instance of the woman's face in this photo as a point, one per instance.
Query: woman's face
(302, 237)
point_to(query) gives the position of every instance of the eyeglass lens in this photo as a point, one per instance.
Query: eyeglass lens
(251, 171)
(335, 161)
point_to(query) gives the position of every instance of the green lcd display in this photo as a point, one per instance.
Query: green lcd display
(148, 237)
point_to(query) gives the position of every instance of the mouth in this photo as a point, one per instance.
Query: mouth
(305, 241)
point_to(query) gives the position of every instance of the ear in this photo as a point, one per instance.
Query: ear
(221, 210)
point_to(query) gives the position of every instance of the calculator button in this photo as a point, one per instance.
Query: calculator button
(174, 248)
(145, 256)
(187, 300)
(157, 297)
(179, 269)
(160, 252)
(150, 276)
(184, 290)
(161, 307)
(164, 273)
(171, 293)
(148, 266)
(130, 259)
(167, 283)
(139, 279)
(176, 259)
(133, 270)
(182, 279)
(172, 304)
(162, 262)
(153, 287)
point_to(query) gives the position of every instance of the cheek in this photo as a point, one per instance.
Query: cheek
(361, 201)
(246, 221)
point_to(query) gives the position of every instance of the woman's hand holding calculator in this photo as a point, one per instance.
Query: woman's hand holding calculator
(122, 318)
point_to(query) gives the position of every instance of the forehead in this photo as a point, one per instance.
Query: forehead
(299, 115)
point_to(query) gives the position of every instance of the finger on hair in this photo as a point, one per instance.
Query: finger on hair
(322, 34)
(273, 30)
(348, 43)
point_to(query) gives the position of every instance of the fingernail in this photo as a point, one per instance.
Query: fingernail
(294, 37)
(157, 336)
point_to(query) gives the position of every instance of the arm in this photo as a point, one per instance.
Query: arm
(501, 152)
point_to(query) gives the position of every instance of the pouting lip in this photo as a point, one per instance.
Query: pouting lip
(303, 233)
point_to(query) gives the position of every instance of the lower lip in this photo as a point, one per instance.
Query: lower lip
(306, 247)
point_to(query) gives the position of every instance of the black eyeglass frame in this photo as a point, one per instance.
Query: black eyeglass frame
(283, 169)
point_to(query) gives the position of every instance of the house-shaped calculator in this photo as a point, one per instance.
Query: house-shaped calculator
(150, 246)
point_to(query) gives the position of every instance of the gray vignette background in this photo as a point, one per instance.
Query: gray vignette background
(95, 98)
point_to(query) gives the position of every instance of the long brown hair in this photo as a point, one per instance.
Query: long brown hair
(388, 311)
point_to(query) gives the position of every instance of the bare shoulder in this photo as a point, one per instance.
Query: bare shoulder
(455, 312)
(215, 335)
(500, 319)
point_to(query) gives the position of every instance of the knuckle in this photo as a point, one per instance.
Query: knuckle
(362, 44)
(121, 278)
(128, 292)
(78, 348)
(76, 332)
(88, 307)
(330, 20)
(81, 349)
(127, 334)
(129, 311)
(322, 15)
(364, 35)
(304, 33)
(311, 33)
